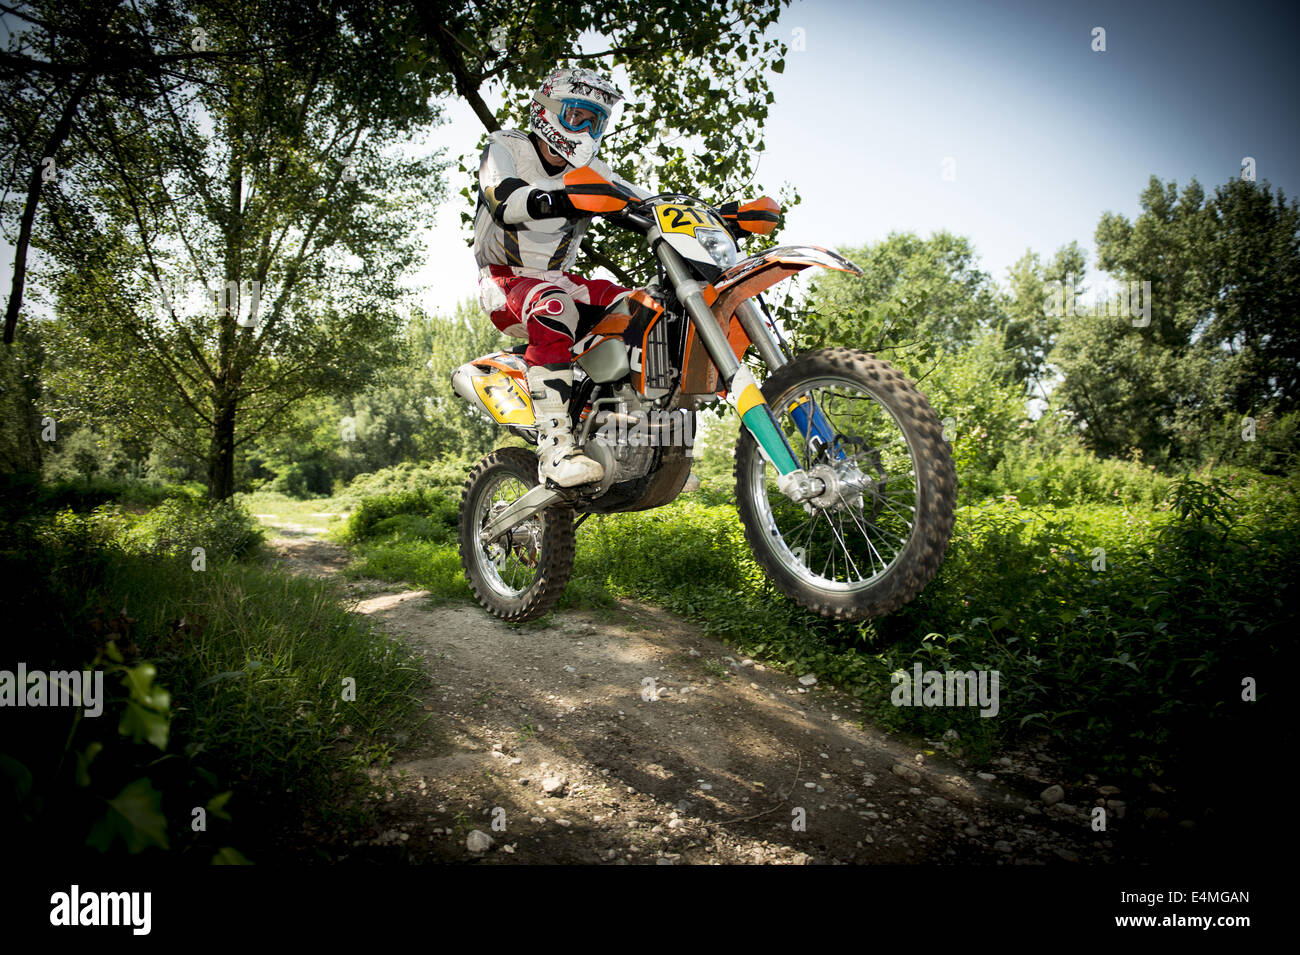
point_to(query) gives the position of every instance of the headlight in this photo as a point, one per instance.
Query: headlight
(720, 246)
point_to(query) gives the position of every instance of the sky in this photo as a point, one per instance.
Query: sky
(1038, 132)
(1044, 134)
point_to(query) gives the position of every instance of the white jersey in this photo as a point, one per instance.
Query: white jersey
(504, 232)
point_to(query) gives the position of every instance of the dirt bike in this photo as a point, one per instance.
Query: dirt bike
(844, 482)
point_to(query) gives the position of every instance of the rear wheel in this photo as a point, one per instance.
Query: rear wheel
(519, 575)
(876, 534)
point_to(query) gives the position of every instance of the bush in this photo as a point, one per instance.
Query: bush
(251, 723)
(424, 514)
(1076, 476)
(86, 494)
(446, 474)
(225, 530)
(1274, 448)
(1127, 657)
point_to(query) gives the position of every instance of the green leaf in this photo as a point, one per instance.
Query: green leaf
(216, 805)
(84, 759)
(143, 724)
(138, 680)
(228, 856)
(135, 816)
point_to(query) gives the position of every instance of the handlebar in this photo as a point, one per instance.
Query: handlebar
(632, 218)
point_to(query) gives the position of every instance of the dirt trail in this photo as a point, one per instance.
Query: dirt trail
(666, 751)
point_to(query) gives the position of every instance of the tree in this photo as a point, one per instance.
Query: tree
(1032, 320)
(1220, 342)
(1254, 277)
(918, 299)
(982, 409)
(697, 89)
(228, 157)
(272, 190)
(56, 56)
(20, 387)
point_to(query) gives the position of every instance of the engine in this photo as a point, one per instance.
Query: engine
(626, 433)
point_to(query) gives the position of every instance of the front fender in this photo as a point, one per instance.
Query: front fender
(800, 255)
(750, 276)
(744, 280)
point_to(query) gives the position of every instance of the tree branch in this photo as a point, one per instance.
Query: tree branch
(467, 85)
(57, 136)
(148, 251)
(602, 260)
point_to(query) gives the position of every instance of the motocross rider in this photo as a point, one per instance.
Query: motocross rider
(526, 238)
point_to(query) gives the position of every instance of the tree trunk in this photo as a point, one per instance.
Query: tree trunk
(221, 451)
(57, 136)
(20, 449)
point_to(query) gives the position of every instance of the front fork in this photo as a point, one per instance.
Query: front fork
(742, 390)
(808, 418)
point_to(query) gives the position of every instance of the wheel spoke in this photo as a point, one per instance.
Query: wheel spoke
(875, 452)
(839, 536)
(812, 529)
(867, 537)
(883, 499)
(507, 562)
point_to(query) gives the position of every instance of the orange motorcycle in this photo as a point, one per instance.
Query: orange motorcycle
(844, 482)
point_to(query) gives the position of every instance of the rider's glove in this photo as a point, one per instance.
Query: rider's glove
(549, 205)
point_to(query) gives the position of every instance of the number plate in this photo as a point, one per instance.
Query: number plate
(504, 398)
(683, 219)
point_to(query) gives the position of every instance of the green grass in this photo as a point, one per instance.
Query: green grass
(425, 564)
(254, 661)
(274, 509)
(263, 669)
(1129, 665)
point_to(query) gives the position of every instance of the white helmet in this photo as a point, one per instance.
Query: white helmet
(572, 111)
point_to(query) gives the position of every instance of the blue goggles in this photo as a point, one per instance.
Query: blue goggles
(571, 120)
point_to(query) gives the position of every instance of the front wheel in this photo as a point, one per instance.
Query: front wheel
(521, 574)
(874, 537)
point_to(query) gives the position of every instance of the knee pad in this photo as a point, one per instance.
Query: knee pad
(554, 309)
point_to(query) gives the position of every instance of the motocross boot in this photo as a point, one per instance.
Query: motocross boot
(557, 457)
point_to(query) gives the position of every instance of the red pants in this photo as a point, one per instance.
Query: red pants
(545, 311)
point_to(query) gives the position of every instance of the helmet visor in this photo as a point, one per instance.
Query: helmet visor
(579, 115)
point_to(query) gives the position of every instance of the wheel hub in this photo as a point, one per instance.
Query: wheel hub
(843, 485)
